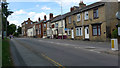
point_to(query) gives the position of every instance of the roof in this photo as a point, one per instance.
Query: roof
(30, 26)
(86, 8)
(59, 17)
(46, 21)
(40, 21)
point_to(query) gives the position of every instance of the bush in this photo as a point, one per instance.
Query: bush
(115, 33)
(16, 34)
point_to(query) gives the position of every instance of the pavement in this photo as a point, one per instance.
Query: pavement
(100, 47)
(56, 52)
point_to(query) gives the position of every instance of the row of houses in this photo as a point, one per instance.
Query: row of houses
(94, 22)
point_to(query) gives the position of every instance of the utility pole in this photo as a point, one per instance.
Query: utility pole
(61, 19)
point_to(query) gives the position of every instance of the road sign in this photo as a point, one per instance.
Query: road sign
(114, 44)
(118, 31)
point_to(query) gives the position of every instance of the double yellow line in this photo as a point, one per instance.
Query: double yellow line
(55, 63)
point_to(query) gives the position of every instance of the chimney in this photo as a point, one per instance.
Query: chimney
(28, 18)
(71, 9)
(51, 15)
(45, 17)
(81, 4)
(39, 19)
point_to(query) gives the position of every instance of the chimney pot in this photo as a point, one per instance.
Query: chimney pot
(45, 17)
(28, 18)
(81, 4)
(51, 15)
(38, 19)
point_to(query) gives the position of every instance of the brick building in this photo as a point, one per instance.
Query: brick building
(93, 22)
(26, 25)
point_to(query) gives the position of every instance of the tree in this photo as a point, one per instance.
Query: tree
(5, 14)
(11, 29)
(19, 30)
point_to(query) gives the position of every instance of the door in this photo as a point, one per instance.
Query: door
(86, 32)
(72, 33)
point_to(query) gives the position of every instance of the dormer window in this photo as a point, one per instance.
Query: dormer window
(31, 23)
(78, 17)
(86, 15)
(26, 22)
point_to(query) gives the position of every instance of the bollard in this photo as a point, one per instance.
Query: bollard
(114, 44)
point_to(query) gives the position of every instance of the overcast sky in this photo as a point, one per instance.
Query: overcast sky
(24, 9)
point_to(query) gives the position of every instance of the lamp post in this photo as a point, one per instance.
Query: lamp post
(61, 19)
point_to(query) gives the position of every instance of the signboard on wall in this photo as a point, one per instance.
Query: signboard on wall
(118, 31)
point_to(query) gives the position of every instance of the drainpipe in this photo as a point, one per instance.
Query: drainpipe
(82, 24)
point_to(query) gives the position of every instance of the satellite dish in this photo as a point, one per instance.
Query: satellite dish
(118, 15)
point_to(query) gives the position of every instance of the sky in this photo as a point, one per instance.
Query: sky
(33, 9)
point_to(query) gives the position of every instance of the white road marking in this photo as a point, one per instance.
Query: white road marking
(58, 43)
(66, 44)
(51, 42)
(76, 47)
(95, 51)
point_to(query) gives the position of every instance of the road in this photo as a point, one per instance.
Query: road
(46, 52)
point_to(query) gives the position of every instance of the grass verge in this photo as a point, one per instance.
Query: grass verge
(6, 55)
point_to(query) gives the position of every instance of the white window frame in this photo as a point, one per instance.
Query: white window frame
(77, 32)
(26, 23)
(31, 22)
(80, 32)
(69, 33)
(44, 25)
(70, 19)
(78, 17)
(86, 17)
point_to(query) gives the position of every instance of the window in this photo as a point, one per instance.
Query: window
(96, 30)
(79, 31)
(95, 13)
(48, 25)
(78, 17)
(69, 32)
(86, 15)
(44, 32)
(44, 25)
(31, 23)
(39, 31)
(26, 22)
(56, 25)
(53, 26)
(69, 19)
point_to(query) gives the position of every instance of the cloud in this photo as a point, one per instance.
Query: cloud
(15, 22)
(51, 0)
(31, 14)
(37, 5)
(45, 8)
(19, 12)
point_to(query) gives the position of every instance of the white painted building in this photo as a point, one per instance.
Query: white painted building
(30, 32)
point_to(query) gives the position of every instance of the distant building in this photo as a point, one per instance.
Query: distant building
(26, 25)
(58, 27)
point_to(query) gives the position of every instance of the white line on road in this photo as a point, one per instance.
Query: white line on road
(95, 51)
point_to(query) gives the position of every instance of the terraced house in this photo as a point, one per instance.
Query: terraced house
(25, 26)
(59, 26)
(94, 22)
(39, 28)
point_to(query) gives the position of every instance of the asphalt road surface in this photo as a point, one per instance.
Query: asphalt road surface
(40, 52)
